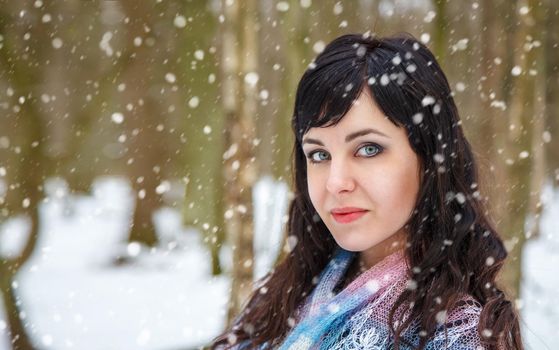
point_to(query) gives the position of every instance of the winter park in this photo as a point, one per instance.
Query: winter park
(226, 174)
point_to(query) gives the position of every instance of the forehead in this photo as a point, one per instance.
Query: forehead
(364, 113)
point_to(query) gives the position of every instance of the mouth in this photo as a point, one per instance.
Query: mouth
(347, 215)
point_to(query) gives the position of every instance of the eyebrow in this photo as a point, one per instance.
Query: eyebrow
(349, 137)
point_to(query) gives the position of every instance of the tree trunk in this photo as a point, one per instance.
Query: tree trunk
(239, 97)
(16, 326)
(272, 74)
(492, 137)
(29, 164)
(31, 184)
(441, 29)
(146, 152)
(538, 171)
(9, 269)
(552, 90)
(518, 153)
(203, 134)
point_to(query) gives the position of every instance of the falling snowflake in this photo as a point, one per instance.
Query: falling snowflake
(105, 44)
(318, 47)
(417, 118)
(194, 102)
(439, 158)
(291, 243)
(199, 55)
(163, 187)
(179, 21)
(429, 17)
(57, 43)
(306, 3)
(441, 317)
(282, 6)
(264, 94)
(427, 100)
(460, 45)
(372, 286)
(411, 284)
(251, 78)
(384, 80)
(338, 8)
(170, 78)
(133, 248)
(117, 118)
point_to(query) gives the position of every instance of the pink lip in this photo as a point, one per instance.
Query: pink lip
(347, 214)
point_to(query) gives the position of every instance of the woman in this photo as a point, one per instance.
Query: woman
(391, 247)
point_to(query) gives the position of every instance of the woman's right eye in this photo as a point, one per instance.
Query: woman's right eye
(317, 156)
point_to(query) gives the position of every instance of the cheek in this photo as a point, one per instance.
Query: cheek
(396, 190)
(408, 191)
(413, 177)
(314, 186)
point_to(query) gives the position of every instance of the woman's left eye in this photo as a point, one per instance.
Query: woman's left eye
(369, 150)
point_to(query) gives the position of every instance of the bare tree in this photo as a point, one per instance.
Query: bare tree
(239, 67)
(21, 71)
(522, 153)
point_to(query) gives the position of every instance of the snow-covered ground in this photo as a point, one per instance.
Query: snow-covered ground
(76, 297)
(540, 290)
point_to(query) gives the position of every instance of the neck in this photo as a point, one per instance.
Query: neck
(374, 255)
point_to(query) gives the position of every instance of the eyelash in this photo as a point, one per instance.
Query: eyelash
(378, 151)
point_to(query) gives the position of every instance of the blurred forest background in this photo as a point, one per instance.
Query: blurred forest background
(190, 101)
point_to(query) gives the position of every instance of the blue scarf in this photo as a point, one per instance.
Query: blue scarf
(326, 313)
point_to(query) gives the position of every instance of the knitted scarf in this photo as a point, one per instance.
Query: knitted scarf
(357, 317)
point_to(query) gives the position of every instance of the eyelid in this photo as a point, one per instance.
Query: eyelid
(380, 148)
(376, 145)
(310, 154)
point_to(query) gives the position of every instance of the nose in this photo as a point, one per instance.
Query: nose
(340, 178)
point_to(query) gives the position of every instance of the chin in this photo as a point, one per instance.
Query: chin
(350, 245)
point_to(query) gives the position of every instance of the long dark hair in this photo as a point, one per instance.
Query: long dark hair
(452, 246)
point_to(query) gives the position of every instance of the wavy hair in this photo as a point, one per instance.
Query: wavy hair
(451, 244)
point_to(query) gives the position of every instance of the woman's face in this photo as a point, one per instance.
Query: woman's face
(363, 179)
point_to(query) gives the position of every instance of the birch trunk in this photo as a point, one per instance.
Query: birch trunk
(239, 66)
(519, 152)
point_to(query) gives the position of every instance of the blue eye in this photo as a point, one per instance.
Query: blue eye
(369, 150)
(317, 156)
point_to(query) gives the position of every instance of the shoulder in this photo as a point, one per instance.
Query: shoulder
(464, 314)
(460, 330)
(467, 309)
